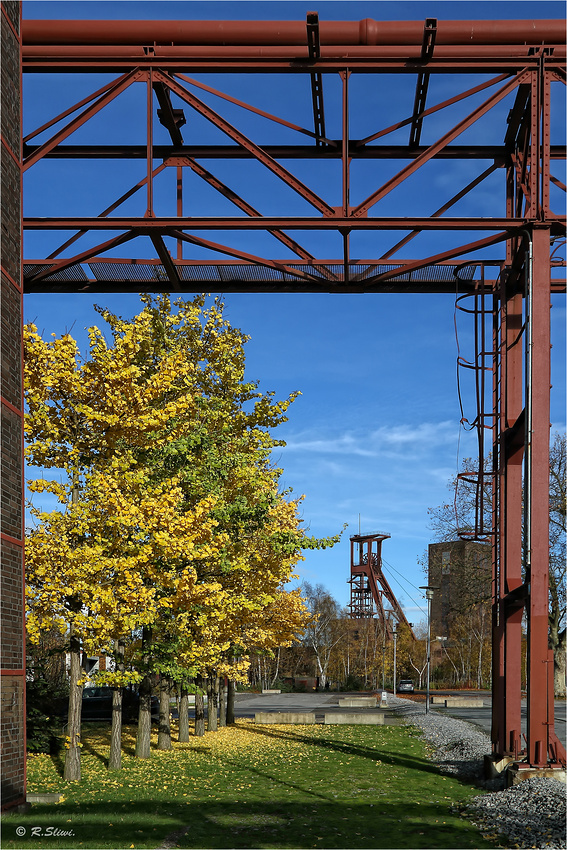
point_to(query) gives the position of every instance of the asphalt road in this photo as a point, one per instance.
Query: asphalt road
(483, 716)
(246, 704)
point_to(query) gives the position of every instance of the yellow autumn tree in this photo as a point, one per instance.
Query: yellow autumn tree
(92, 421)
(225, 453)
(170, 511)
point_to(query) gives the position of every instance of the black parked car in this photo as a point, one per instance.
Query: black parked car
(97, 704)
(405, 686)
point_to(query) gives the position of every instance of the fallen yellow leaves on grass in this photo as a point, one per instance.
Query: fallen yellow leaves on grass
(244, 741)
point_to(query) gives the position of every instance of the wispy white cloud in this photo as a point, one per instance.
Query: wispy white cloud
(345, 444)
(384, 440)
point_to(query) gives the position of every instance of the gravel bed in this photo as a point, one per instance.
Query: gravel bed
(530, 814)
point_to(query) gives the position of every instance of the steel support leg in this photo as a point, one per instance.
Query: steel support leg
(509, 601)
(540, 708)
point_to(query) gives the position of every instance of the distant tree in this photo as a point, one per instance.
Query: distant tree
(557, 559)
(369, 652)
(412, 654)
(457, 515)
(322, 634)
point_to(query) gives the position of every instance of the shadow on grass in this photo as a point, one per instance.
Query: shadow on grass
(88, 748)
(58, 760)
(240, 824)
(373, 753)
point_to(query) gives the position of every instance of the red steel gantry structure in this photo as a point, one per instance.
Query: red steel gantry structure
(340, 165)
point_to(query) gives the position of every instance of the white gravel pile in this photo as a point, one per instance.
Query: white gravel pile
(530, 814)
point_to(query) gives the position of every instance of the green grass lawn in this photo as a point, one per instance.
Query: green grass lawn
(252, 787)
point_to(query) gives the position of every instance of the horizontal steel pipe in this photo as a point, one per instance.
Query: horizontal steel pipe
(288, 33)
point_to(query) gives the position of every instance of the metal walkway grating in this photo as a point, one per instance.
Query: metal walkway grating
(319, 276)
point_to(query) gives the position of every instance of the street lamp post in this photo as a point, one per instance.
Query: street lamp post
(429, 590)
(395, 634)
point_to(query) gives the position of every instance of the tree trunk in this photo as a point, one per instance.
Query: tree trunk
(143, 738)
(212, 703)
(319, 667)
(230, 702)
(72, 770)
(115, 760)
(277, 671)
(479, 671)
(222, 701)
(164, 729)
(184, 715)
(199, 709)
(559, 665)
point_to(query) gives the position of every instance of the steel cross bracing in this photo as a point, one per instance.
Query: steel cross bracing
(197, 174)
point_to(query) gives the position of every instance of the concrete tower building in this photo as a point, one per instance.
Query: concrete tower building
(461, 570)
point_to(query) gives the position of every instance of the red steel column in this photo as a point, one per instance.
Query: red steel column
(513, 450)
(498, 713)
(540, 713)
(507, 614)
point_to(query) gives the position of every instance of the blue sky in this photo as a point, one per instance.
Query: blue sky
(376, 430)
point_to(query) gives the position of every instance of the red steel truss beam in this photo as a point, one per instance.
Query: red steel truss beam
(241, 139)
(112, 92)
(441, 143)
(331, 151)
(334, 222)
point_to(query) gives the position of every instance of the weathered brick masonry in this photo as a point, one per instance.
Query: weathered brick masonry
(11, 518)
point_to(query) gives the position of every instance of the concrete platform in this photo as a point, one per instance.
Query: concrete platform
(463, 702)
(351, 718)
(358, 702)
(457, 702)
(515, 774)
(43, 798)
(301, 718)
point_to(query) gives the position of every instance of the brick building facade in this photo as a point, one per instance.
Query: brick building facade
(12, 518)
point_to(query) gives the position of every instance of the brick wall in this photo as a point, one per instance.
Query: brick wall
(12, 649)
(13, 743)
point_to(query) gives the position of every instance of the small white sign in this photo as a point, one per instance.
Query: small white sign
(384, 698)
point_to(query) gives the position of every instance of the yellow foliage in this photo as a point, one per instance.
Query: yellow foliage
(170, 513)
